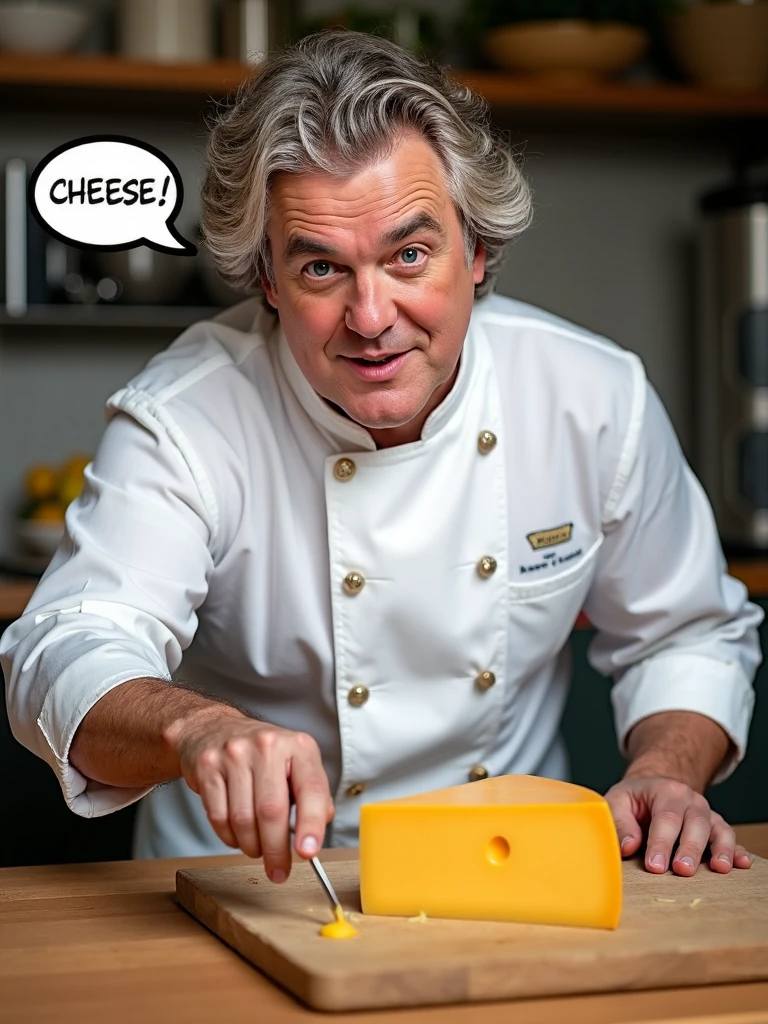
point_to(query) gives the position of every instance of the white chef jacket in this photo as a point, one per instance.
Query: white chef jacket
(214, 537)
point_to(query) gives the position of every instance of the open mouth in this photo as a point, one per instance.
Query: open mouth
(375, 362)
(379, 369)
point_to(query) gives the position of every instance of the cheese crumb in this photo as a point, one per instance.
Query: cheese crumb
(419, 919)
(695, 902)
(663, 899)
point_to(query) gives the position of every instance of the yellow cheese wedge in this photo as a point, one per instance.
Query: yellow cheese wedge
(512, 848)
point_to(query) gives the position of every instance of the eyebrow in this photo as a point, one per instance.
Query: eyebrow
(299, 245)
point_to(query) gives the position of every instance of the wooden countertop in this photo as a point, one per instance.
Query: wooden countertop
(16, 592)
(89, 943)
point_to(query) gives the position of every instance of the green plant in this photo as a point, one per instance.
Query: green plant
(381, 23)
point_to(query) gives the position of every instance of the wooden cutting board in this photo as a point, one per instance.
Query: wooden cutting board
(674, 931)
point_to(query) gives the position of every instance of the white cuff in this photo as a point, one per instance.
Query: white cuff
(686, 682)
(58, 723)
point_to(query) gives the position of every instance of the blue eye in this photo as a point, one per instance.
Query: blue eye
(320, 269)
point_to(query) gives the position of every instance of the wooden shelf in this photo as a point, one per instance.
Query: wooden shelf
(102, 315)
(217, 78)
(656, 98)
(108, 72)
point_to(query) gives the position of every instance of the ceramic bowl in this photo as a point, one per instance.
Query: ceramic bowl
(38, 536)
(566, 49)
(40, 27)
(722, 46)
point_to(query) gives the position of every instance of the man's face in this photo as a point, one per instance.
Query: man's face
(373, 266)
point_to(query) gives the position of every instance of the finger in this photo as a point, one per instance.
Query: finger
(667, 813)
(213, 793)
(722, 845)
(239, 779)
(628, 828)
(722, 862)
(272, 804)
(742, 858)
(694, 837)
(314, 805)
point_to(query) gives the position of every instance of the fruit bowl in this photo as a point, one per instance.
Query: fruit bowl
(39, 536)
(566, 50)
(38, 26)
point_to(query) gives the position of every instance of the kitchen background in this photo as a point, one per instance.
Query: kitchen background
(620, 136)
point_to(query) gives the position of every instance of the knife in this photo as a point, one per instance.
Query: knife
(330, 892)
(319, 870)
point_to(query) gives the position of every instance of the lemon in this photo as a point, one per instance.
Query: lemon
(40, 482)
(70, 487)
(75, 465)
(48, 512)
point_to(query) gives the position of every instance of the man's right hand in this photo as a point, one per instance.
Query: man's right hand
(246, 773)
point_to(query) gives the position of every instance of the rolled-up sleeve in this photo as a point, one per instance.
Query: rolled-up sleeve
(118, 601)
(674, 630)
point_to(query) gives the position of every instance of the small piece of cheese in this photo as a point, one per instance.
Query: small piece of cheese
(512, 848)
(339, 928)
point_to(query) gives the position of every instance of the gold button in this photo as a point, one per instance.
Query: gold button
(354, 582)
(485, 680)
(486, 566)
(486, 442)
(478, 773)
(358, 695)
(356, 789)
(344, 469)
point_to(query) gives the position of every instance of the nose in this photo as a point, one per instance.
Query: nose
(371, 310)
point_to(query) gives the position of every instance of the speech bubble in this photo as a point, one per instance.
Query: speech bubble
(109, 192)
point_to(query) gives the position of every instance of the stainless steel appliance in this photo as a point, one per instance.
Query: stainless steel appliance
(732, 362)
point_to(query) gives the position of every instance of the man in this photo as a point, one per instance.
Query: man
(331, 550)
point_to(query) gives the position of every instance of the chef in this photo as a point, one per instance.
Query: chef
(333, 542)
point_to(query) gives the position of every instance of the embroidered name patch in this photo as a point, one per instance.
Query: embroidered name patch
(548, 538)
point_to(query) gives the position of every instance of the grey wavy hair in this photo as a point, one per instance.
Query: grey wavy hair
(337, 101)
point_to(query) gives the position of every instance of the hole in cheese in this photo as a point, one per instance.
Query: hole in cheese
(498, 850)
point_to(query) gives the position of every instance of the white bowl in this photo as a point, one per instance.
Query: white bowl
(39, 536)
(38, 26)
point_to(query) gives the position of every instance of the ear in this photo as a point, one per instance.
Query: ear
(269, 291)
(478, 266)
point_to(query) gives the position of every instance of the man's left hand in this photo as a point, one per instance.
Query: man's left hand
(672, 812)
